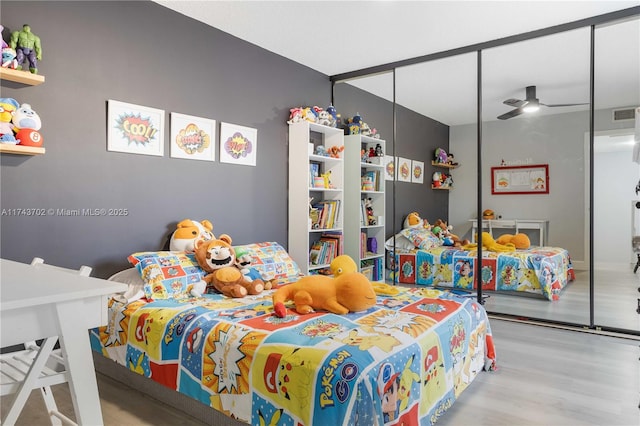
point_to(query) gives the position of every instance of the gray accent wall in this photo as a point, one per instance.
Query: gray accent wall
(417, 138)
(142, 53)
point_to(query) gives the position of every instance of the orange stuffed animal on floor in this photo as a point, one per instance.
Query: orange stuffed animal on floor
(349, 292)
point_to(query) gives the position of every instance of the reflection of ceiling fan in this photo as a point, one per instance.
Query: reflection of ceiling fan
(530, 104)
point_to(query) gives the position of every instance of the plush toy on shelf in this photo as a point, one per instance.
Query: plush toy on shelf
(188, 232)
(441, 156)
(27, 46)
(217, 257)
(334, 151)
(8, 107)
(348, 292)
(26, 125)
(9, 58)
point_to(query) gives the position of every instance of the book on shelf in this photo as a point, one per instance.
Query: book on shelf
(326, 248)
(371, 180)
(375, 267)
(314, 172)
(328, 214)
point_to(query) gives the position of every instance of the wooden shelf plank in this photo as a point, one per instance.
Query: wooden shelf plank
(445, 165)
(24, 77)
(8, 148)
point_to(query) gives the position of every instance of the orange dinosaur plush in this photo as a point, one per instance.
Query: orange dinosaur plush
(217, 257)
(349, 292)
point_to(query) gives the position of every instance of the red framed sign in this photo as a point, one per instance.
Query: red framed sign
(530, 179)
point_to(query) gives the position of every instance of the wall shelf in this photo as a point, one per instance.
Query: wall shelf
(444, 165)
(9, 148)
(24, 77)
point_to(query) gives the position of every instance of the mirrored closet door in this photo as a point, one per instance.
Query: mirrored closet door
(616, 175)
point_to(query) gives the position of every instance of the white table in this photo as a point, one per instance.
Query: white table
(38, 302)
(539, 225)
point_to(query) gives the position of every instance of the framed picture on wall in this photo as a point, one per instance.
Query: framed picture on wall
(134, 129)
(192, 137)
(403, 169)
(417, 171)
(238, 144)
(389, 167)
(530, 179)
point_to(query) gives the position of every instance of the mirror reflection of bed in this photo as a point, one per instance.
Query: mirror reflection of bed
(445, 89)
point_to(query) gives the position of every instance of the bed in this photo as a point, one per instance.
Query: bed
(406, 360)
(543, 271)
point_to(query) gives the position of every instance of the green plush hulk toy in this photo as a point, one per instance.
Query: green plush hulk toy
(27, 45)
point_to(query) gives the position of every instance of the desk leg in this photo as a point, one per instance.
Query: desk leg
(74, 340)
(21, 396)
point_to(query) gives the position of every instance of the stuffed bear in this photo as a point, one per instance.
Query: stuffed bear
(188, 232)
(218, 258)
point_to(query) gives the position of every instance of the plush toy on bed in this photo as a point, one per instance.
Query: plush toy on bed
(490, 244)
(413, 220)
(188, 232)
(348, 292)
(443, 230)
(218, 258)
(520, 241)
(243, 262)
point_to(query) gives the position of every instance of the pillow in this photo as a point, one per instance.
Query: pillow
(402, 244)
(421, 238)
(272, 260)
(129, 276)
(166, 274)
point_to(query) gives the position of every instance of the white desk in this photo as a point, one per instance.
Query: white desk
(35, 304)
(515, 224)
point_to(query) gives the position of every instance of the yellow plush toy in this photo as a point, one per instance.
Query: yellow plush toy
(520, 241)
(490, 244)
(348, 292)
(344, 264)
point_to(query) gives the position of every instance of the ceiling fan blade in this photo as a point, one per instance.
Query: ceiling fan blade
(516, 103)
(562, 105)
(510, 114)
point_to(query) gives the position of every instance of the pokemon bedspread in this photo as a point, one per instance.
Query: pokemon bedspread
(541, 270)
(404, 361)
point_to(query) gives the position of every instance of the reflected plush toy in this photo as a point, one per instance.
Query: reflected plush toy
(490, 244)
(349, 292)
(218, 258)
(520, 241)
(188, 232)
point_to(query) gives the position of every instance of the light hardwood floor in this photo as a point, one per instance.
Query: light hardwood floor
(545, 376)
(615, 301)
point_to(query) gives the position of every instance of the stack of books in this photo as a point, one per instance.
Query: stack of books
(328, 247)
(324, 215)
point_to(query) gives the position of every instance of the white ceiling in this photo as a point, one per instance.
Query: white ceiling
(334, 37)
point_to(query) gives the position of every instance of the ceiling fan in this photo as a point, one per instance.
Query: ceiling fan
(530, 104)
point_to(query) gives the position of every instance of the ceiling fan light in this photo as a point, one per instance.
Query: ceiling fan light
(531, 106)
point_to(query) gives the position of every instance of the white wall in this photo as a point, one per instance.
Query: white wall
(615, 177)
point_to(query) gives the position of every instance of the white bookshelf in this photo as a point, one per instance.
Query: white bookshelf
(354, 193)
(301, 189)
